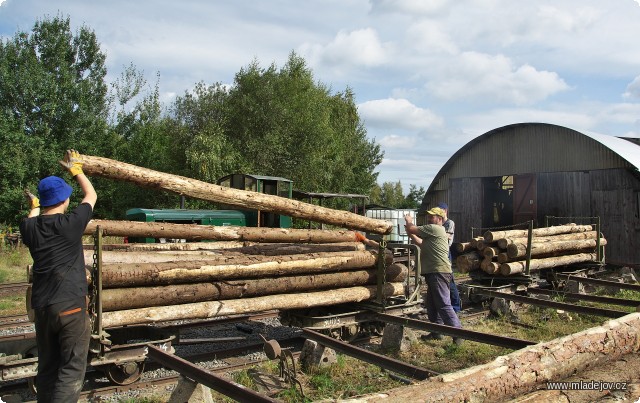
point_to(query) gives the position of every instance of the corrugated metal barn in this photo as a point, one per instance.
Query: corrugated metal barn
(529, 171)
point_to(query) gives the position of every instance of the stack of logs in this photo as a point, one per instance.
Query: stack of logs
(505, 252)
(145, 285)
(246, 270)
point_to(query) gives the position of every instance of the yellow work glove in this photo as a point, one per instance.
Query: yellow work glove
(73, 162)
(33, 201)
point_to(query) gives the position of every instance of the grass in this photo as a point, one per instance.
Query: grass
(350, 377)
(13, 264)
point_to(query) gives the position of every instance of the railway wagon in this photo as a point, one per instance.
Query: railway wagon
(120, 351)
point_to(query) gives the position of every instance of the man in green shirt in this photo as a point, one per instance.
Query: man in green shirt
(436, 268)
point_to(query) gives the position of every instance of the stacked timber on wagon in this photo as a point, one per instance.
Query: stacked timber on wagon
(245, 270)
(505, 252)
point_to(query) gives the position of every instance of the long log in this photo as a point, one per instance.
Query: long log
(545, 263)
(141, 297)
(116, 170)
(521, 371)
(516, 250)
(145, 274)
(171, 246)
(197, 232)
(491, 236)
(504, 242)
(212, 309)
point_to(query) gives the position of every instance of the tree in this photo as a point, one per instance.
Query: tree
(52, 97)
(285, 124)
(414, 198)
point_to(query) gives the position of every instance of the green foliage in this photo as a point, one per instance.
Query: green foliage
(285, 124)
(391, 195)
(52, 97)
(275, 121)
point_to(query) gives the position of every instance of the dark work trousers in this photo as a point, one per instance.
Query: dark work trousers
(63, 331)
(455, 296)
(438, 299)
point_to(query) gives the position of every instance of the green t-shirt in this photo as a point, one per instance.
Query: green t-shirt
(434, 251)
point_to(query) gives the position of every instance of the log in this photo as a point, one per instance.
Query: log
(491, 236)
(208, 232)
(145, 274)
(489, 266)
(171, 246)
(117, 299)
(467, 262)
(504, 242)
(516, 250)
(474, 242)
(545, 263)
(212, 309)
(462, 247)
(491, 252)
(116, 170)
(509, 376)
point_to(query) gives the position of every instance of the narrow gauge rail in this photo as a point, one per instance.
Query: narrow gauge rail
(11, 321)
(13, 288)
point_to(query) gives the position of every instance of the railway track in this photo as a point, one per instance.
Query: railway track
(13, 288)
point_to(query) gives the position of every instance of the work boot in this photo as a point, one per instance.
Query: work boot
(431, 336)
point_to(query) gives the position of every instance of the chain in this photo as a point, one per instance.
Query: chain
(93, 286)
(383, 248)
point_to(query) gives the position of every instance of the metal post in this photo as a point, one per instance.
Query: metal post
(529, 239)
(98, 274)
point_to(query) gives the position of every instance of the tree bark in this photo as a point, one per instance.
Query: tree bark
(491, 252)
(545, 263)
(467, 262)
(145, 274)
(108, 168)
(211, 309)
(491, 236)
(141, 297)
(171, 246)
(489, 266)
(521, 371)
(462, 247)
(516, 250)
(208, 232)
(504, 242)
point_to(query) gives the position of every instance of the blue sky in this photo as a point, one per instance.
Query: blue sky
(428, 76)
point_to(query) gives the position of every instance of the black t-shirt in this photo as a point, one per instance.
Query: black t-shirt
(55, 243)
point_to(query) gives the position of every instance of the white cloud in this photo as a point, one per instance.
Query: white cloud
(633, 89)
(397, 142)
(410, 7)
(484, 77)
(360, 47)
(398, 113)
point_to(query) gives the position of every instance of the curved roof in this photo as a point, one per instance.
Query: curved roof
(536, 147)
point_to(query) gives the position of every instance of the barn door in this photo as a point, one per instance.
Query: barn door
(525, 202)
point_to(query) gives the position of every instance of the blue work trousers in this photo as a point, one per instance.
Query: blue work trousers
(438, 299)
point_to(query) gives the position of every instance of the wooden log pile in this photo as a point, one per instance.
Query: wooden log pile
(159, 285)
(505, 252)
(245, 270)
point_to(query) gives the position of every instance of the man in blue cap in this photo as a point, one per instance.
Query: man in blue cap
(59, 290)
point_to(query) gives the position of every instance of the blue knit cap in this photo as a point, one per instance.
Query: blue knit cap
(53, 190)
